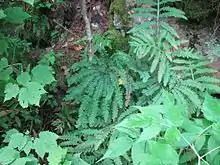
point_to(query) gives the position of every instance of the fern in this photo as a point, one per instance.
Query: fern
(181, 71)
(95, 85)
(155, 39)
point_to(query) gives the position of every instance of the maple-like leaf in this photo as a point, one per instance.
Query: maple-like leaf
(43, 74)
(30, 94)
(11, 90)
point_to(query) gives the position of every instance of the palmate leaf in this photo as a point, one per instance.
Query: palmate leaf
(46, 143)
(8, 155)
(30, 94)
(16, 15)
(43, 74)
(23, 78)
(18, 140)
(11, 91)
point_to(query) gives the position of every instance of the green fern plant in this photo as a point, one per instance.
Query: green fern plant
(179, 70)
(93, 143)
(98, 86)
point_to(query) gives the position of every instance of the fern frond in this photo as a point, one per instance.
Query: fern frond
(172, 12)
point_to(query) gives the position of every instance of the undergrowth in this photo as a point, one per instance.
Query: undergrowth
(149, 105)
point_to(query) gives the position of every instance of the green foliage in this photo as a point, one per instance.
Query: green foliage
(20, 147)
(29, 86)
(181, 71)
(151, 106)
(96, 85)
(166, 129)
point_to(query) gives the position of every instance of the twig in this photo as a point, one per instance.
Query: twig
(215, 27)
(88, 29)
(64, 28)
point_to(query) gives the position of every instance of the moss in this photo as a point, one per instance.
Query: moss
(119, 7)
(120, 42)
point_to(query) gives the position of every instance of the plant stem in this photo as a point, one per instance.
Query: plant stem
(210, 152)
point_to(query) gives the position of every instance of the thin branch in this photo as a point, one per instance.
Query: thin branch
(64, 28)
(87, 28)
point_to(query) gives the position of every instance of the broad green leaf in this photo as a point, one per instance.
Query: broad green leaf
(152, 113)
(46, 135)
(174, 115)
(28, 147)
(189, 136)
(3, 63)
(16, 15)
(199, 143)
(164, 152)
(168, 99)
(150, 132)
(11, 91)
(23, 78)
(18, 140)
(216, 160)
(21, 161)
(191, 126)
(172, 136)
(141, 156)
(5, 70)
(212, 143)
(4, 45)
(154, 108)
(56, 155)
(46, 143)
(138, 153)
(9, 134)
(30, 94)
(43, 74)
(135, 121)
(8, 155)
(216, 131)
(118, 147)
(2, 15)
(211, 109)
(129, 131)
(31, 2)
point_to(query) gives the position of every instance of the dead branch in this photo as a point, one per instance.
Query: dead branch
(87, 28)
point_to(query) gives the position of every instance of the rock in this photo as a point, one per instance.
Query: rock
(130, 3)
